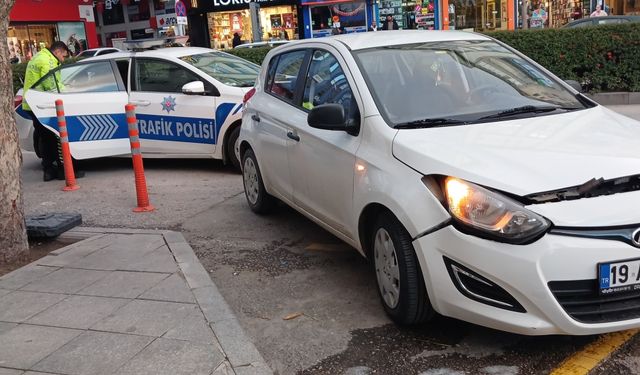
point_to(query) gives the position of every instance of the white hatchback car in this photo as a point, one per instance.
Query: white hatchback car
(188, 103)
(481, 186)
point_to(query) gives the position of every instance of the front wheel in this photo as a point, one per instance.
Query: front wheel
(259, 200)
(400, 283)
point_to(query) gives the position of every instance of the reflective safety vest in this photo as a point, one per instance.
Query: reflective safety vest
(37, 68)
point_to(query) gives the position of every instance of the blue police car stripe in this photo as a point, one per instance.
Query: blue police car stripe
(238, 108)
(97, 127)
(157, 127)
(22, 113)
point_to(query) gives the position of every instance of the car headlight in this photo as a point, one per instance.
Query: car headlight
(491, 215)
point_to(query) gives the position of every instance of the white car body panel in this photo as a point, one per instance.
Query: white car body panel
(385, 167)
(194, 126)
(527, 149)
(88, 115)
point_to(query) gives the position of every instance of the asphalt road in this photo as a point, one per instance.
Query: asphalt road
(270, 268)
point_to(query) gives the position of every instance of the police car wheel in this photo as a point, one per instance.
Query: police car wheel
(231, 146)
(258, 199)
(37, 144)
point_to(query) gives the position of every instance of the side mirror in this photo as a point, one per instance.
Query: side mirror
(193, 88)
(574, 84)
(328, 116)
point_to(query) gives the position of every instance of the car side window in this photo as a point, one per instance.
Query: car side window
(162, 76)
(271, 73)
(327, 83)
(286, 75)
(584, 24)
(609, 21)
(77, 78)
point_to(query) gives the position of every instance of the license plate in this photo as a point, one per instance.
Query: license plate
(619, 277)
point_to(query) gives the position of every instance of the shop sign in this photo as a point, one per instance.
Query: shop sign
(224, 5)
(166, 20)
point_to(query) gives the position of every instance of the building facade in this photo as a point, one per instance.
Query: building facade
(35, 24)
(135, 19)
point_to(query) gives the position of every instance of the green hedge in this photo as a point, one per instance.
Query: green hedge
(602, 58)
(255, 55)
(18, 71)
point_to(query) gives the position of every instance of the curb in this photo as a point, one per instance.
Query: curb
(234, 342)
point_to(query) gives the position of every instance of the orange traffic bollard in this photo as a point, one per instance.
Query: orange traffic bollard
(69, 175)
(136, 156)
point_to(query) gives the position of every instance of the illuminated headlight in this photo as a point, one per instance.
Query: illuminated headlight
(489, 214)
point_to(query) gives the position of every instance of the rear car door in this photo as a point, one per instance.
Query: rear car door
(274, 117)
(94, 98)
(170, 122)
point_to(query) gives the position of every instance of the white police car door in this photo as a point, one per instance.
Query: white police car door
(94, 98)
(172, 123)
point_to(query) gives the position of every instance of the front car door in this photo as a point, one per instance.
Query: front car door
(172, 123)
(94, 98)
(322, 162)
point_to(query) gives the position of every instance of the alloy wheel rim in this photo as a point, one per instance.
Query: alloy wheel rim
(387, 269)
(250, 180)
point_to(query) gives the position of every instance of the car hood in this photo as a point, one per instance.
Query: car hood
(531, 155)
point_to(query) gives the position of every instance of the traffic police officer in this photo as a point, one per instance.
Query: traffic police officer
(48, 143)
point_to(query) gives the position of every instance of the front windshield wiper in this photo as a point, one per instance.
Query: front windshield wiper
(429, 123)
(521, 110)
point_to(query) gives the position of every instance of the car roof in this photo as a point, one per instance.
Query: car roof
(357, 41)
(176, 52)
(593, 19)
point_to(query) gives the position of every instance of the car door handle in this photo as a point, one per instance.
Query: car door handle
(293, 136)
(46, 106)
(255, 118)
(141, 103)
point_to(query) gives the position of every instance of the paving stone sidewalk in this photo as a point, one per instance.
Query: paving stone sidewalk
(120, 303)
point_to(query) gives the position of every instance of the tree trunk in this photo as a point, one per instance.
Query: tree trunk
(13, 231)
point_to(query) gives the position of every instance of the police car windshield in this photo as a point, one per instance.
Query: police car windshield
(229, 70)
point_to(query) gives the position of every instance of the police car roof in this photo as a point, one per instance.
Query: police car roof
(175, 52)
(357, 41)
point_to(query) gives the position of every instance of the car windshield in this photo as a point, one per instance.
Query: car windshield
(458, 82)
(228, 69)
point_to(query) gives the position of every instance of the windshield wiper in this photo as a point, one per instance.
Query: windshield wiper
(429, 123)
(521, 110)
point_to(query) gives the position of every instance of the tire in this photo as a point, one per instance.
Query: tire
(399, 278)
(230, 148)
(37, 143)
(258, 199)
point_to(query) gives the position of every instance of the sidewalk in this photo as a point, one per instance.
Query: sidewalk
(137, 302)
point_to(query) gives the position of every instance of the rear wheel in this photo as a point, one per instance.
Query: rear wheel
(259, 200)
(232, 147)
(400, 282)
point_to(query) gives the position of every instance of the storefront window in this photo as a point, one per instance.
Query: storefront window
(278, 23)
(113, 16)
(27, 40)
(138, 11)
(350, 16)
(481, 15)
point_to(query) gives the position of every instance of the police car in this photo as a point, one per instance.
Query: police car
(188, 103)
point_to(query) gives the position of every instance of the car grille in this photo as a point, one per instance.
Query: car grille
(581, 300)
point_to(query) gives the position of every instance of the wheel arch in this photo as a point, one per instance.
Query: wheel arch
(368, 217)
(227, 133)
